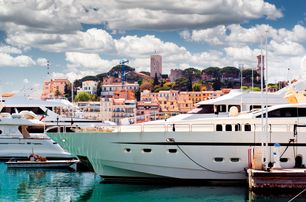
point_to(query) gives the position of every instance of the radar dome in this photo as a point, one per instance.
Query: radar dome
(233, 111)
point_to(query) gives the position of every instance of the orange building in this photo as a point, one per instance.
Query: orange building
(55, 88)
(173, 101)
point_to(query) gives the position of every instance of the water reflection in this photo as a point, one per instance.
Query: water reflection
(64, 185)
(140, 192)
(276, 195)
(44, 185)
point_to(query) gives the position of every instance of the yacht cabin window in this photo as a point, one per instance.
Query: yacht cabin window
(220, 108)
(285, 112)
(247, 127)
(218, 127)
(203, 109)
(11, 110)
(228, 127)
(237, 127)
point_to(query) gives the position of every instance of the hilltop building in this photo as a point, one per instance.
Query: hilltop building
(175, 74)
(156, 66)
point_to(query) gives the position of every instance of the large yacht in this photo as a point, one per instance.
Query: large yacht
(216, 148)
(19, 137)
(52, 112)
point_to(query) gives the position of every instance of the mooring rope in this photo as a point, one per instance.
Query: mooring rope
(296, 195)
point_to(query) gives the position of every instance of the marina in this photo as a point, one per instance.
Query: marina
(151, 101)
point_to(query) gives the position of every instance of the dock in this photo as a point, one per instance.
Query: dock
(294, 178)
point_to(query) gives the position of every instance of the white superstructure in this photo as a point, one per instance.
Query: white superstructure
(20, 137)
(52, 112)
(242, 100)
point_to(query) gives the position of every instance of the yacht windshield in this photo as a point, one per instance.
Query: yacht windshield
(202, 109)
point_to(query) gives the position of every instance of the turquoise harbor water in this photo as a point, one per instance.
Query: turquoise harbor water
(64, 185)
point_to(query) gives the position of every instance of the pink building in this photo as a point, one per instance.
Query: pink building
(111, 80)
(54, 88)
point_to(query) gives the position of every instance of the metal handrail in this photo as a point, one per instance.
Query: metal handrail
(177, 127)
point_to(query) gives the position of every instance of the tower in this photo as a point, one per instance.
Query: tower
(260, 65)
(156, 66)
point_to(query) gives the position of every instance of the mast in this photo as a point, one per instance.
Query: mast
(261, 101)
(268, 157)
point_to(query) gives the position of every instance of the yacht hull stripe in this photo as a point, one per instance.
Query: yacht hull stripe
(210, 143)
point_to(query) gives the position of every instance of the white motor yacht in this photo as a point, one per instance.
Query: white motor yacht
(214, 148)
(20, 137)
(52, 112)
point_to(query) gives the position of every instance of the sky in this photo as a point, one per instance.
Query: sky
(82, 37)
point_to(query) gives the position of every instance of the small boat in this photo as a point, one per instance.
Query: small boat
(36, 161)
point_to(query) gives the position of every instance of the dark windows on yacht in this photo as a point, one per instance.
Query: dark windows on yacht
(287, 112)
(218, 127)
(228, 127)
(247, 127)
(218, 159)
(11, 110)
(236, 127)
(172, 150)
(234, 160)
(147, 150)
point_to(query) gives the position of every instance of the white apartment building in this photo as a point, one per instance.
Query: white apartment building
(109, 89)
(89, 87)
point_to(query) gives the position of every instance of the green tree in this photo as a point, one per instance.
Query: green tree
(57, 93)
(156, 82)
(137, 94)
(197, 87)
(99, 88)
(212, 71)
(217, 84)
(181, 84)
(146, 85)
(67, 91)
(83, 97)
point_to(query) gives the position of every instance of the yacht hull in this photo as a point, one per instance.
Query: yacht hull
(21, 148)
(175, 155)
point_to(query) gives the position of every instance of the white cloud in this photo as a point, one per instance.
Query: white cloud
(9, 49)
(88, 60)
(172, 14)
(90, 40)
(18, 61)
(42, 62)
(286, 48)
(52, 17)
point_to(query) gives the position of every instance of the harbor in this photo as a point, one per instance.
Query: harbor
(129, 100)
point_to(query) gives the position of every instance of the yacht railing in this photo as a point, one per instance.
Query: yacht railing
(222, 128)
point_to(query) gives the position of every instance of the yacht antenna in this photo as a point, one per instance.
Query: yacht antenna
(252, 78)
(266, 100)
(261, 100)
(241, 68)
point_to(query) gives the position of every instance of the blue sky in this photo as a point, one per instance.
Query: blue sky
(81, 38)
